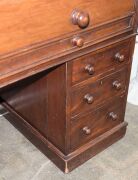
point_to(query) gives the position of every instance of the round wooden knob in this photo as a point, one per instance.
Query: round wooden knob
(78, 41)
(87, 130)
(119, 57)
(113, 116)
(90, 69)
(117, 85)
(89, 98)
(80, 18)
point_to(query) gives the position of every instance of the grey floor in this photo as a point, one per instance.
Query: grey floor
(20, 160)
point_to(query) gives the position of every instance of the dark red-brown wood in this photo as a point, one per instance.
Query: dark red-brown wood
(64, 73)
(100, 91)
(101, 61)
(97, 121)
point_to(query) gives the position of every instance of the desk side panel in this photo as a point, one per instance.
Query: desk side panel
(41, 101)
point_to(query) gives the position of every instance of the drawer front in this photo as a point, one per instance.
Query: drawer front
(26, 22)
(93, 94)
(100, 62)
(97, 122)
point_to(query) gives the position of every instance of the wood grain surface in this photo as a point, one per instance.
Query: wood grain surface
(46, 73)
(24, 22)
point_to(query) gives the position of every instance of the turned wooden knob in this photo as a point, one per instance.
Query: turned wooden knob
(80, 18)
(119, 57)
(90, 69)
(86, 130)
(78, 41)
(117, 85)
(89, 98)
(113, 116)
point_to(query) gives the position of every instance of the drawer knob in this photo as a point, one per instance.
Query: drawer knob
(89, 98)
(78, 41)
(117, 85)
(113, 116)
(87, 130)
(119, 57)
(80, 18)
(90, 69)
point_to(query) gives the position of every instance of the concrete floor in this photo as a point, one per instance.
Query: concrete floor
(20, 160)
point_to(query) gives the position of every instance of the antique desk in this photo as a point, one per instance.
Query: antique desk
(64, 73)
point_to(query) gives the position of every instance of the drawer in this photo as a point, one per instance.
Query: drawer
(97, 122)
(99, 62)
(92, 94)
(25, 23)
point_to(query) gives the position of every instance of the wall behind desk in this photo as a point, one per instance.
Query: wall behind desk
(133, 87)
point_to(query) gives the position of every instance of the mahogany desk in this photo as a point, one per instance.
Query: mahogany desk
(64, 73)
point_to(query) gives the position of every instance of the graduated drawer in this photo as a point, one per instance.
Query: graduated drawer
(97, 122)
(92, 94)
(100, 62)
